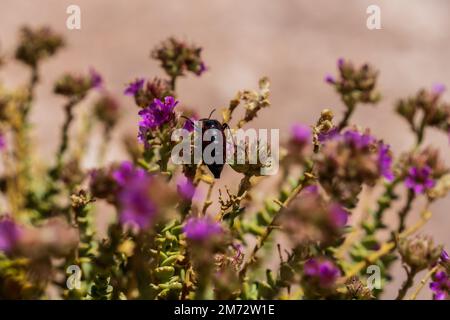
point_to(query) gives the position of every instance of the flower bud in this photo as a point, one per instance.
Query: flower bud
(419, 252)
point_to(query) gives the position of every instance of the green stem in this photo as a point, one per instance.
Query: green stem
(303, 182)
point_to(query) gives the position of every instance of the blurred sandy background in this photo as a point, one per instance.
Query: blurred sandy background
(295, 43)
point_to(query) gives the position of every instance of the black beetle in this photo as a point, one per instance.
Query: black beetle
(208, 123)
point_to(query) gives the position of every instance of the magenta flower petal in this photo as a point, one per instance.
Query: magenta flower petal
(134, 87)
(419, 179)
(201, 229)
(301, 133)
(186, 188)
(9, 234)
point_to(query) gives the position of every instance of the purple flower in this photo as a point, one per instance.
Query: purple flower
(330, 79)
(96, 78)
(338, 215)
(321, 270)
(202, 69)
(330, 134)
(385, 161)
(134, 87)
(440, 286)
(186, 188)
(155, 115)
(357, 139)
(2, 142)
(340, 62)
(136, 206)
(444, 256)
(9, 234)
(127, 172)
(312, 189)
(200, 229)
(419, 179)
(438, 88)
(301, 133)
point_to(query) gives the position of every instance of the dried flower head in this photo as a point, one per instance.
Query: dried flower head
(355, 85)
(426, 109)
(419, 252)
(357, 290)
(37, 44)
(102, 184)
(107, 111)
(178, 57)
(349, 160)
(75, 86)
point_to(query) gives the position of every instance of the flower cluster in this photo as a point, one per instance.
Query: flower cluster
(37, 44)
(320, 276)
(178, 57)
(426, 109)
(355, 85)
(77, 86)
(421, 169)
(144, 227)
(349, 160)
(312, 219)
(107, 111)
(157, 114)
(145, 93)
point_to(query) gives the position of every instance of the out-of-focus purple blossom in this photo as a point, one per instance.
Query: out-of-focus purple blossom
(311, 189)
(444, 256)
(322, 271)
(202, 69)
(127, 172)
(330, 134)
(201, 229)
(419, 179)
(357, 139)
(2, 141)
(155, 115)
(438, 88)
(186, 188)
(134, 87)
(9, 234)
(338, 215)
(385, 161)
(340, 62)
(440, 285)
(301, 133)
(330, 79)
(96, 78)
(136, 205)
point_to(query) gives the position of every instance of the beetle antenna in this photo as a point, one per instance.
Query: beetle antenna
(192, 122)
(211, 113)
